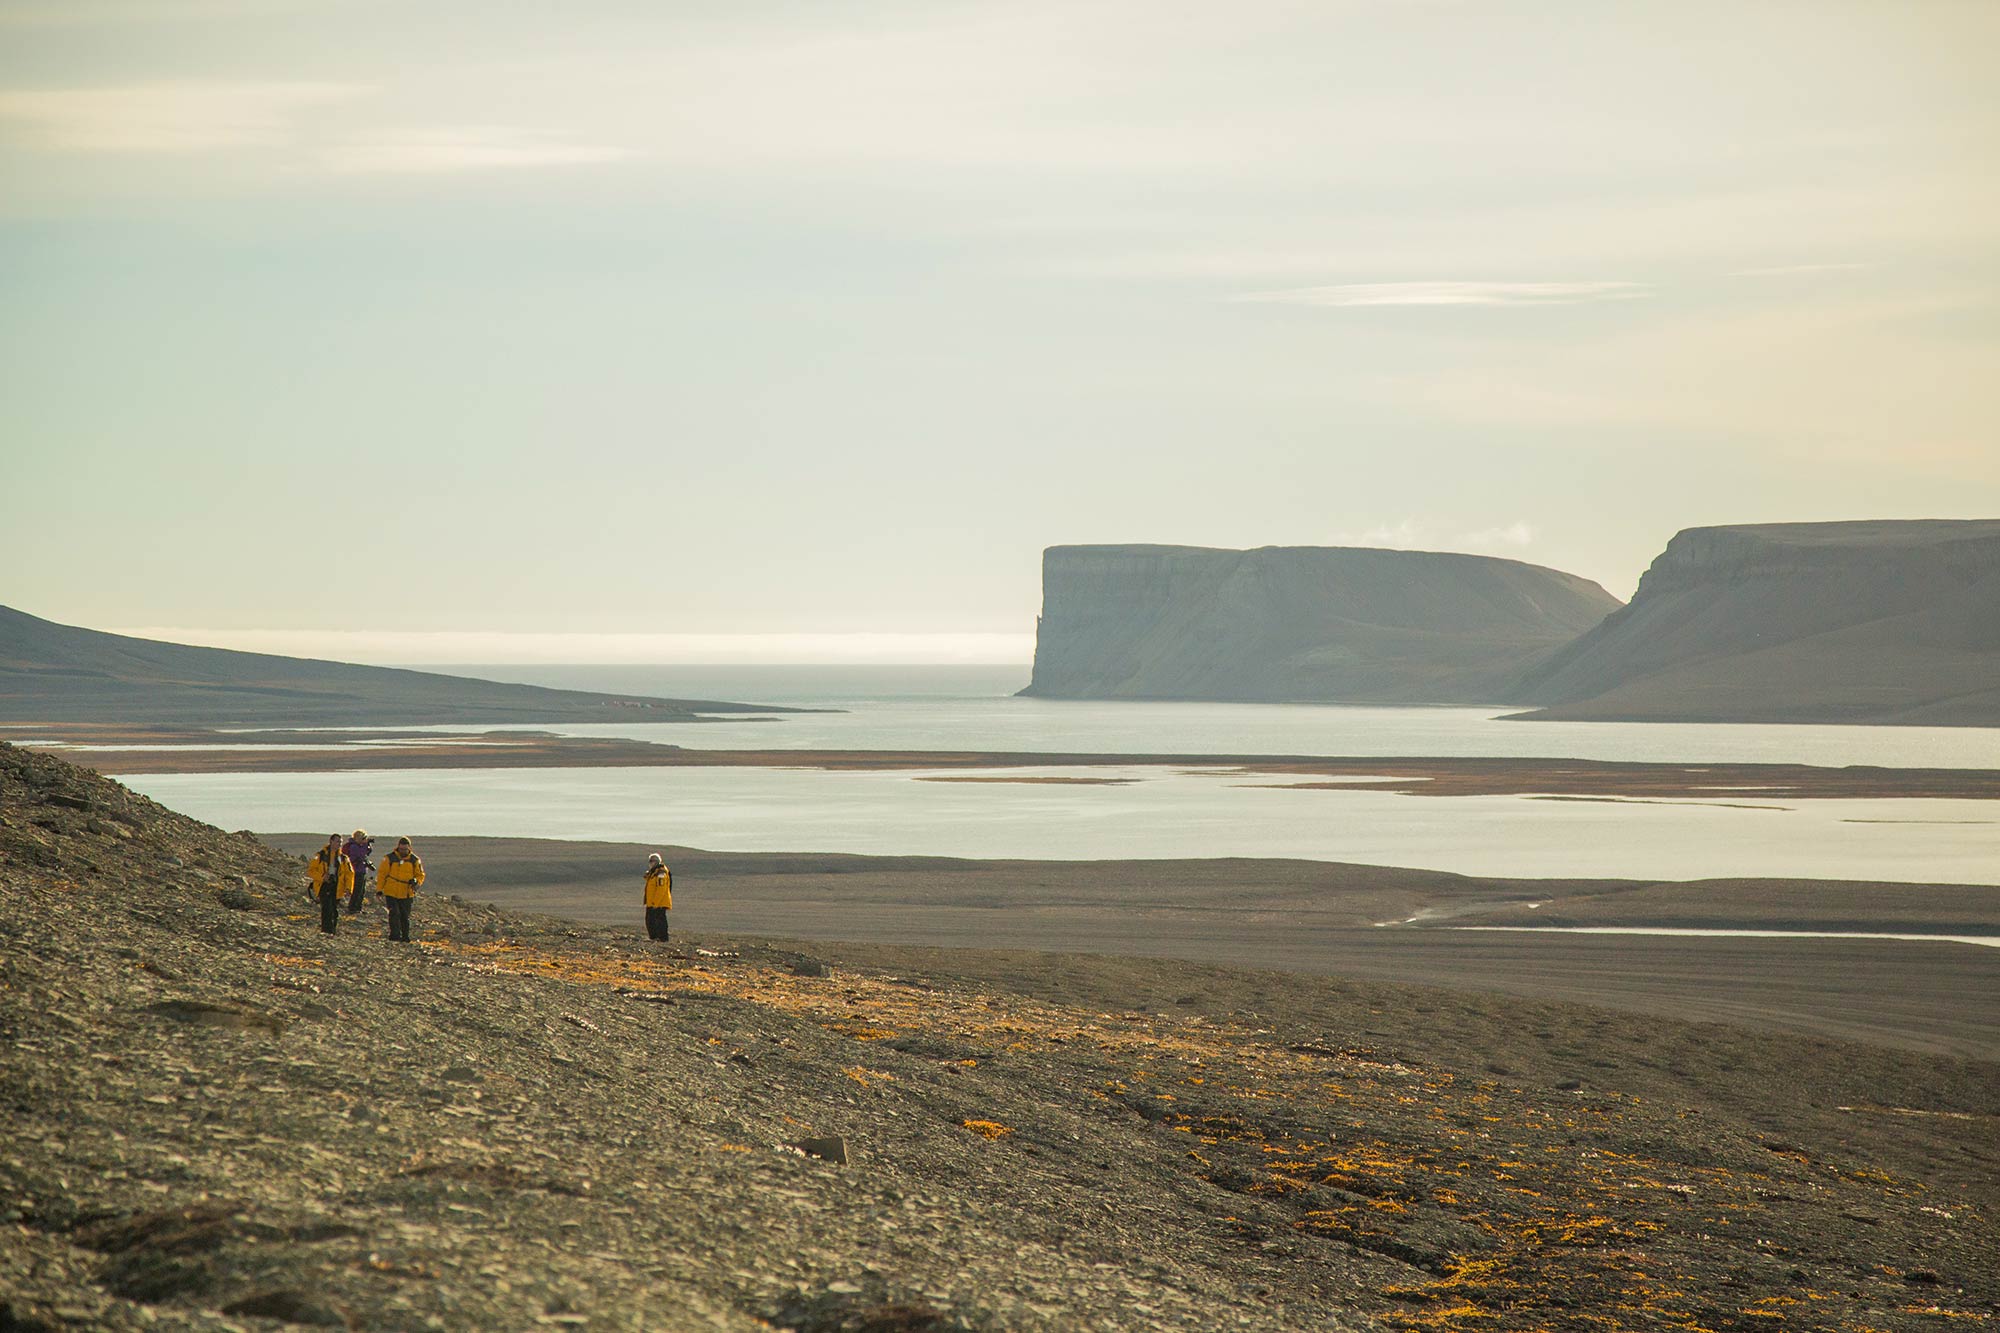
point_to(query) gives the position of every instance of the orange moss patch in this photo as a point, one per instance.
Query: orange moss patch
(990, 1130)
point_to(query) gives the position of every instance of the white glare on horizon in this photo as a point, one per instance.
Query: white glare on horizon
(400, 648)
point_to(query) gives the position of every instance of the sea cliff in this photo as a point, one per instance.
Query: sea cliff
(1876, 622)
(1302, 623)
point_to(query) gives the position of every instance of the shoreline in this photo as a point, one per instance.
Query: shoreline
(125, 751)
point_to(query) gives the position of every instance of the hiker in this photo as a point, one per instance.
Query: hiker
(397, 882)
(357, 850)
(659, 897)
(330, 875)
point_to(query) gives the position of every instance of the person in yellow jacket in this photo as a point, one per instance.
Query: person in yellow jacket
(330, 877)
(659, 897)
(397, 880)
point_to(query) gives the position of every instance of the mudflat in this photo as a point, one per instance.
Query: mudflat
(1319, 918)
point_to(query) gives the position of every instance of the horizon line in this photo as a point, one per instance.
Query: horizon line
(431, 648)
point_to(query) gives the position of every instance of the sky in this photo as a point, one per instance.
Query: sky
(634, 331)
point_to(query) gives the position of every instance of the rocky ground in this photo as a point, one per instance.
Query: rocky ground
(216, 1117)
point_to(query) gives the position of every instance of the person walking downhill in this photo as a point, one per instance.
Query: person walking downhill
(357, 851)
(397, 882)
(330, 874)
(659, 897)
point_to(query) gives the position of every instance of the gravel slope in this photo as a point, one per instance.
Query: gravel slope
(216, 1117)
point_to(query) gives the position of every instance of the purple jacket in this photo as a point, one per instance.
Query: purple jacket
(357, 852)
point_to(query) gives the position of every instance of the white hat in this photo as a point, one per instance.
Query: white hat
(654, 860)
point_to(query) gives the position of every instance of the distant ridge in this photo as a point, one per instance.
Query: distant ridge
(1299, 623)
(61, 673)
(1871, 622)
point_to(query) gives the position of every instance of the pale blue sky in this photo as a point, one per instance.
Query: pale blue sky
(805, 319)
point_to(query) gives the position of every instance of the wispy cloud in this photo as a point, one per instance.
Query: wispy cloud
(1794, 270)
(1451, 293)
(167, 117)
(1508, 537)
(1402, 534)
(191, 118)
(1409, 534)
(464, 148)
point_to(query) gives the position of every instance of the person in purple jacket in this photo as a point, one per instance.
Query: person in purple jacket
(356, 851)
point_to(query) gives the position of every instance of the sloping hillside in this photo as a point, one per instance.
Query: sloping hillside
(216, 1117)
(1330, 624)
(61, 673)
(1883, 622)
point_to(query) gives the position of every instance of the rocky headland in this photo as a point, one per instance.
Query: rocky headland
(216, 1117)
(1299, 623)
(1876, 622)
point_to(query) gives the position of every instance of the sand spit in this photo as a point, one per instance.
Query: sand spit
(124, 750)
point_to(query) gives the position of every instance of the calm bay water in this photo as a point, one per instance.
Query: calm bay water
(971, 708)
(1161, 813)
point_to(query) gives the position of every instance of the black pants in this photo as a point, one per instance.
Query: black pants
(329, 909)
(360, 892)
(656, 924)
(399, 918)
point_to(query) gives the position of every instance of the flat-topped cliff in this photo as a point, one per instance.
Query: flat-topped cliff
(1304, 623)
(1880, 622)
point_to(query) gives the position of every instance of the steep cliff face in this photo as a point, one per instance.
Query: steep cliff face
(1331, 624)
(1806, 622)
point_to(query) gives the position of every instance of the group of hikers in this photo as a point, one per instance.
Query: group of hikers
(338, 873)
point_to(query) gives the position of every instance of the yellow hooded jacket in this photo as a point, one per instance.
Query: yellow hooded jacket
(400, 878)
(316, 873)
(659, 887)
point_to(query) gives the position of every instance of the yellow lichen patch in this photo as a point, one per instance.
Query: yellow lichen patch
(989, 1130)
(861, 1031)
(292, 960)
(868, 1078)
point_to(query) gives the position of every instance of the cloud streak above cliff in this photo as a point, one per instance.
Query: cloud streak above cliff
(1451, 293)
(177, 118)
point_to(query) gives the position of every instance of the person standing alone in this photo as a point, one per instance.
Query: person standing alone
(331, 874)
(659, 897)
(397, 882)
